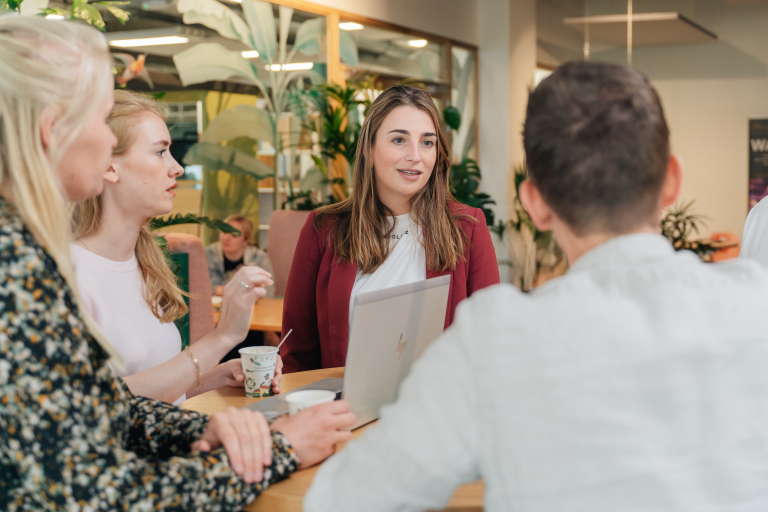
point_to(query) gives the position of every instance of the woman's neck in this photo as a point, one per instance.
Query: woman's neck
(234, 255)
(116, 237)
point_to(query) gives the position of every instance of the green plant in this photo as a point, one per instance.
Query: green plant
(175, 220)
(331, 111)
(679, 223)
(212, 61)
(465, 182)
(89, 12)
(80, 9)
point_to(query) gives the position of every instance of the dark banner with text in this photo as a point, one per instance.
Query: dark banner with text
(758, 160)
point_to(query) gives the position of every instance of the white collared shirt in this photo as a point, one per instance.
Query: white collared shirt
(636, 382)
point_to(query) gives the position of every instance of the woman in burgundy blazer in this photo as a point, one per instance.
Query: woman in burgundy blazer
(410, 176)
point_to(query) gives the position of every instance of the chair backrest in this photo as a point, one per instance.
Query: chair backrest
(200, 307)
(284, 229)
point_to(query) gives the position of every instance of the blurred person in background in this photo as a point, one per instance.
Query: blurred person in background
(233, 251)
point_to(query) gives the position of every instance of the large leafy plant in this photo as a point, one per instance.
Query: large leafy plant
(331, 111)
(465, 185)
(211, 61)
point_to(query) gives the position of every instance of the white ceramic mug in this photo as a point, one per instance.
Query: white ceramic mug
(300, 400)
(259, 368)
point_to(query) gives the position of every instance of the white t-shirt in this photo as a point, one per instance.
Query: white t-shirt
(754, 241)
(113, 293)
(406, 263)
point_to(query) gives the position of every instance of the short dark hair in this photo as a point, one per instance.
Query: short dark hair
(597, 146)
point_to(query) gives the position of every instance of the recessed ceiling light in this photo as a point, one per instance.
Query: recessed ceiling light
(296, 66)
(148, 41)
(252, 54)
(418, 43)
(54, 17)
(348, 25)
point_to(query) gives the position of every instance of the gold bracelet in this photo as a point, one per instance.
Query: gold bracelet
(197, 364)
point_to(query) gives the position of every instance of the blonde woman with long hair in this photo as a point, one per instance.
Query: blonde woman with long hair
(400, 225)
(74, 436)
(125, 281)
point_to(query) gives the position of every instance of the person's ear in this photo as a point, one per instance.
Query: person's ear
(540, 212)
(113, 173)
(47, 121)
(673, 182)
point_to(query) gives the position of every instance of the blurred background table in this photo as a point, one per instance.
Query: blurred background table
(267, 315)
(286, 496)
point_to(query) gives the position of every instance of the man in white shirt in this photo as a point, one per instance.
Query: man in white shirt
(636, 382)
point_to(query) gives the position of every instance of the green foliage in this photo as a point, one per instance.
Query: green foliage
(452, 117)
(339, 121)
(10, 5)
(80, 9)
(465, 182)
(174, 220)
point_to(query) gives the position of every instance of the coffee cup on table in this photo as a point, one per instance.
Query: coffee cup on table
(300, 400)
(259, 368)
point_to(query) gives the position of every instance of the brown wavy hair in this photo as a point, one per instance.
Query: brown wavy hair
(161, 289)
(361, 228)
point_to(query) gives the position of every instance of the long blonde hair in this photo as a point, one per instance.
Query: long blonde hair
(47, 63)
(361, 226)
(161, 290)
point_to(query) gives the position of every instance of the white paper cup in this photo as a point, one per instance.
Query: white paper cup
(259, 368)
(299, 400)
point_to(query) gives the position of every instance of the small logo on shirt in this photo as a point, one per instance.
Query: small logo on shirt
(400, 347)
(401, 235)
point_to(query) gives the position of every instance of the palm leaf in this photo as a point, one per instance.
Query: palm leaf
(216, 16)
(225, 158)
(211, 61)
(240, 121)
(261, 20)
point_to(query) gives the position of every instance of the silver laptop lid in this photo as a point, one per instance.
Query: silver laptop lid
(390, 330)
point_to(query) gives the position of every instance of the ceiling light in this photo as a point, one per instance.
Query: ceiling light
(149, 41)
(54, 17)
(250, 54)
(417, 43)
(296, 66)
(348, 25)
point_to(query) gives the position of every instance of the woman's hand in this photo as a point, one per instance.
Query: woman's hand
(278, 375)
(234, 376)
(314, 432)
(245, 436)
(240, 294)
(233, 373)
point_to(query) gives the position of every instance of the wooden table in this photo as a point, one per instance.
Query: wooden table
(286, 496)
(267, 315)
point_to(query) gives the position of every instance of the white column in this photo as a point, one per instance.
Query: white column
(507, 37)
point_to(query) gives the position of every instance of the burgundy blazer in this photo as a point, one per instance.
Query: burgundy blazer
(317, 296)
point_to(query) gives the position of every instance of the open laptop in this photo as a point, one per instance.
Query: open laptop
(390, 329)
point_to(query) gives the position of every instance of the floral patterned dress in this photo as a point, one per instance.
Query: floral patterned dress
(73, 435)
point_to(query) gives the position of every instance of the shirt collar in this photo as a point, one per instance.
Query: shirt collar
(623, 249)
